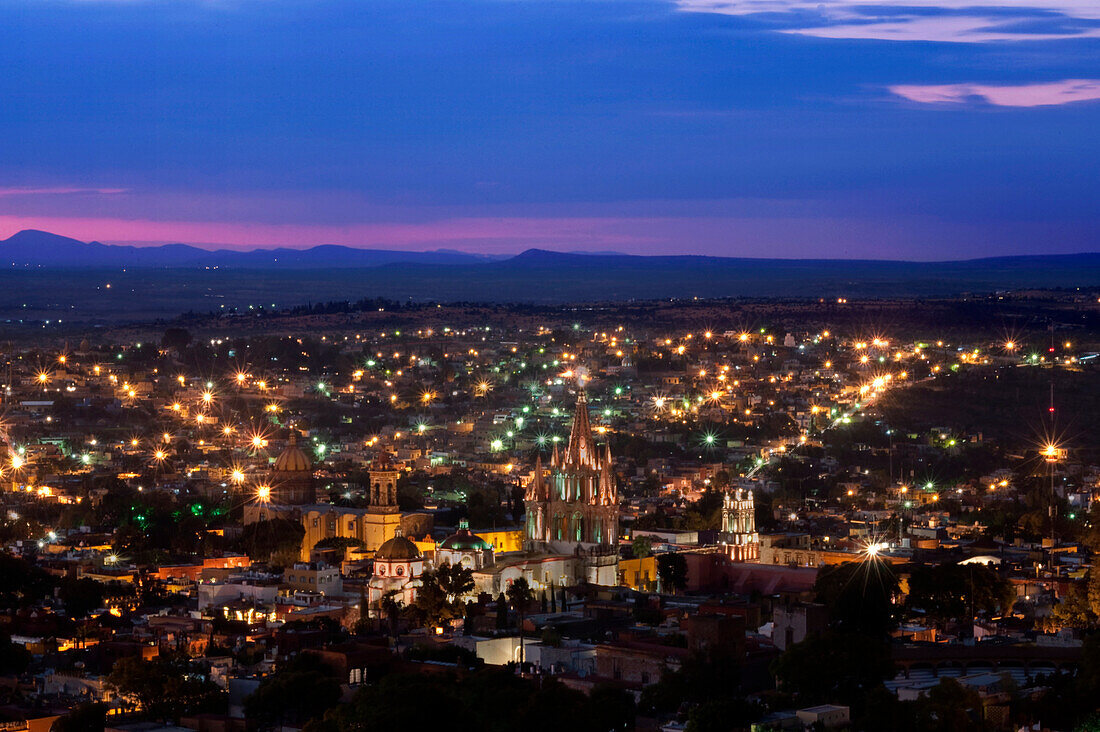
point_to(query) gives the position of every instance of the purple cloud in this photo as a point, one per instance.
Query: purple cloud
(957, 21)
(1046, 94)
(10, 191)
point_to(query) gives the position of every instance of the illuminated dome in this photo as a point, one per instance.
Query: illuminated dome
(397, 549)
(292, 459)
(464, 540)
(291, 476)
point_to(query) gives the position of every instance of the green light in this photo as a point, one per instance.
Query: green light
(519, 423)
(497, 445)
(618, 390)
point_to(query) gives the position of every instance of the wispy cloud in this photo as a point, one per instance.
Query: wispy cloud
(6, 192)
(1018, 95)
(955, 21)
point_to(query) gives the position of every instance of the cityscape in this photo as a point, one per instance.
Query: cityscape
(549, 366)
(682, 527)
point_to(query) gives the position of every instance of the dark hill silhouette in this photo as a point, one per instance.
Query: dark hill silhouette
(43, 249)
(168, 280)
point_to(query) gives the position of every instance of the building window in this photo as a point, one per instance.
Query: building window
(400, 570)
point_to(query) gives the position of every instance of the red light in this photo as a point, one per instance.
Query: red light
(1051, 349)
(1052, 410)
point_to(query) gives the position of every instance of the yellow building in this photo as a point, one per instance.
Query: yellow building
(503, 540)
(639, 574)
(372, 528)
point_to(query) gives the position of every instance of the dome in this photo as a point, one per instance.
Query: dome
(464, 540)
(397, 549)
(292, 459)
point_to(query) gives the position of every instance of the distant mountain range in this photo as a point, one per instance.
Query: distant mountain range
(43, 249)
(44, 275)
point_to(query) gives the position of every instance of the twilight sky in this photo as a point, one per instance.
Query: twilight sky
(921, 129)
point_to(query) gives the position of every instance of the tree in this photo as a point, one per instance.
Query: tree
(456, 582)
(672, 569)
(837, 666)
(24, 583)
(301, 691)
(1074, 611)
(14, 658)
(519, 596)
(90, 717)
(641, 547)
(859, 596)
(502, 612)
(1094, 591)
(390, 610)
(164, 688)
(341, 543)
(723, 714)
(956, 591)
(263, 539)
(440, 597)
(80, 596)
(950, 707)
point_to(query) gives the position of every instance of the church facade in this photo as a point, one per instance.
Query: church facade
(292, 497)
(573, 508)
(739, 537)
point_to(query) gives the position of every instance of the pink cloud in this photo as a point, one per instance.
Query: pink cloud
(960, 21)
(1021, 95)
(57, 191)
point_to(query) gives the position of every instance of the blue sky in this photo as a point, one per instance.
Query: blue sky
(928, 129)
